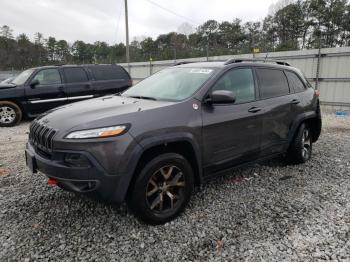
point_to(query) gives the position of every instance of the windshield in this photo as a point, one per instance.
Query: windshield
(22, 77)
(172, 84)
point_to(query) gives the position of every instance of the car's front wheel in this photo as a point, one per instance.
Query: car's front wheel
(162, 189)
(301, 147)
(10, 114)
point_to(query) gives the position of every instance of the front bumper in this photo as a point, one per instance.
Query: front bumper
(91, 180)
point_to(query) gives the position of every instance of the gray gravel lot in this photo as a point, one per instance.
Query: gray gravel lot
(271, 212)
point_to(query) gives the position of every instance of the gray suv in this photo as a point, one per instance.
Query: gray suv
(177, 129)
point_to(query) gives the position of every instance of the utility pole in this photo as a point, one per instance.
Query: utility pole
(207, 47)
(127, 35)
(318, 56)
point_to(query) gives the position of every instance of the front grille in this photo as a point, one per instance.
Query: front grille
(41, 136)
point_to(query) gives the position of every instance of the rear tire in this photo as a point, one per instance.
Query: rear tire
(10, 114)
(162, 189)
(300, 149)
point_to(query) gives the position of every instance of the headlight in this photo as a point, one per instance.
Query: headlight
(97, 132)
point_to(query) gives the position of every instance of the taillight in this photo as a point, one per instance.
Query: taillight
(130, 82)
(317, 93)
(52, 182)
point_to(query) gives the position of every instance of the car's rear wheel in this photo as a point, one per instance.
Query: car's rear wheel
(162, 189)
(300, 149)
(10, 114)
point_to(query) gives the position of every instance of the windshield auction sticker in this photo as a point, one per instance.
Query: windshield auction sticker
(201, 71)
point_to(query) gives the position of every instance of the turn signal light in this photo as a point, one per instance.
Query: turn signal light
(111, 132)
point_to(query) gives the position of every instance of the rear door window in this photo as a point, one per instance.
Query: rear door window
(295, 82)
(240, 82)
(101, 72)
(48, 77)
(75, 75)
(273, 83)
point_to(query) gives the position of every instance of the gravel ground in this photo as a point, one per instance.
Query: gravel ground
(271, 212)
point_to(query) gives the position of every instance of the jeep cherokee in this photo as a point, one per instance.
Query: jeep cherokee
(176, 129)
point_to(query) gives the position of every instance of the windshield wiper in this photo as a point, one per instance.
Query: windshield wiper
(144, 97)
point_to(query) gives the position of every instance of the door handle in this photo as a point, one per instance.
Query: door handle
(254, 109)
(295, 101)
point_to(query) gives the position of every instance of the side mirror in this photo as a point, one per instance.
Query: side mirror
(34, 83)
(221, 97)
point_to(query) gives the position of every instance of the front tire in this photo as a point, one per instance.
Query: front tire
(300, 149)
(10, 114)
(162, 189)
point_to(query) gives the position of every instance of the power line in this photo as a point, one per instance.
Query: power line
(170, 11)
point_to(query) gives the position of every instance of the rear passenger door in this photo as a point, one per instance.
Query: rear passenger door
(276, 98)
(296, 84)
(77, 84)
(109, 79)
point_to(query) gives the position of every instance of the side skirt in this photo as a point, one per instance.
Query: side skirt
(208, 176)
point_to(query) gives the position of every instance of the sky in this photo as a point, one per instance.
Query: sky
(104, 20)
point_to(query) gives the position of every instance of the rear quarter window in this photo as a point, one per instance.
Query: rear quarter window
(75, 75)
(294, 82)
(273, 83)
(108, 72)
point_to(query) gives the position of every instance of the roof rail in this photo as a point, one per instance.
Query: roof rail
(184, 63)
(241, 60)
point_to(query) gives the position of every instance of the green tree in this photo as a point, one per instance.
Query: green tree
(253, 36)
(25, 51)
(231, 36)
(62, 51)
(83, 52)
(6, 31)
(290, 26)
(51, 48)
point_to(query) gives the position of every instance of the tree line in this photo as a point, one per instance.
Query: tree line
(293, 25)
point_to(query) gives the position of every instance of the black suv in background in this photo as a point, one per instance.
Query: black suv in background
(37, 90)
(176, 129)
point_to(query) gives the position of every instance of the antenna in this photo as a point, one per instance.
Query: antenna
(267, 53)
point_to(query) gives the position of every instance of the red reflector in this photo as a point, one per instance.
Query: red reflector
(52, 182)
(317, 92)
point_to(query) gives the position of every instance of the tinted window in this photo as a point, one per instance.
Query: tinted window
(48, 77)
(272, 83)
(240, 82)
(295, 82)
(75, 75)
(108, 72)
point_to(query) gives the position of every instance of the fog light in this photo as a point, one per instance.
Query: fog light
(76, 160)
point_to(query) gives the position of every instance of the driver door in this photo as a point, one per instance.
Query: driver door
(49, 93)
(232, 132)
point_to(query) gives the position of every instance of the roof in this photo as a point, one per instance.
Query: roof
(70, 65)
(239, 62)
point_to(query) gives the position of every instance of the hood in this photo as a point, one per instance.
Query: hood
(6, 85)
(98, 112)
